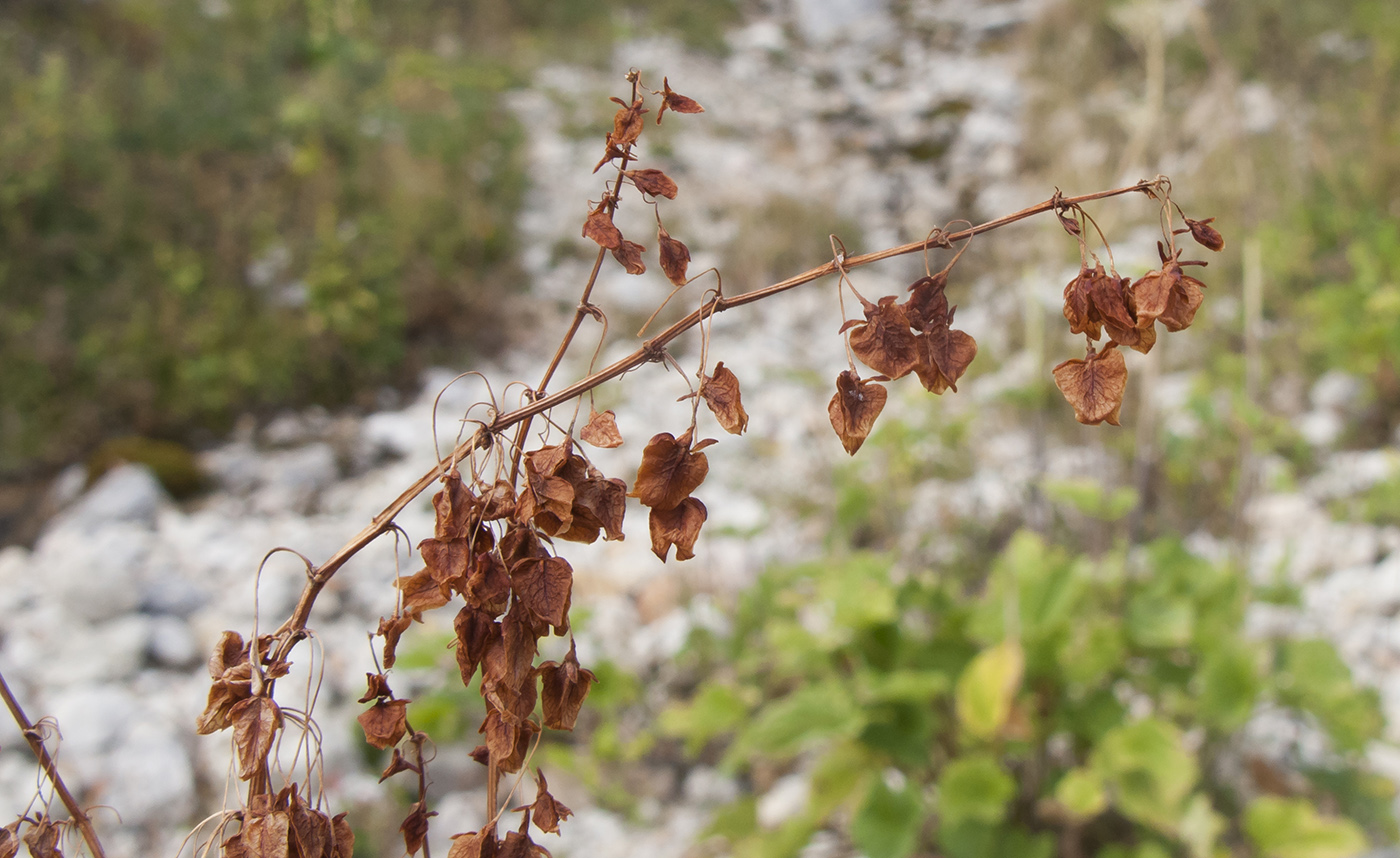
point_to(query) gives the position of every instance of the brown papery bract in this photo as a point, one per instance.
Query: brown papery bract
(721, 393)
(628, 122)
(854, 408)
(679, 526)
(415, 827)
(563, 688)
(473, 844)
(42, 838)
(883, 341)
(1094, 386)
(255, 724)
(547, 811)
(675, 101)
(422, 592)
(629, 255)
(601, 429)
(599, 227)
(675, 256)
(670, 470)
(544, 585)
(385, 723)
(391, 629)
(1206, 235)
(653, 182)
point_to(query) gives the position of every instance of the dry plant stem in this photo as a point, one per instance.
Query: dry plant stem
(294, 628)
(50, 767)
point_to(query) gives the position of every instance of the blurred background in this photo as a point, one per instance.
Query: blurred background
(245, 243)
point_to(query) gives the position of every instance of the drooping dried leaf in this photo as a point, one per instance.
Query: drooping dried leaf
(255, 724)
(385, 723)
(1148, 297)
(519, 845)
(670, 471)
(883, 341)
(563, 688)
(599, 227)
(415, 827)
(927, 304)
(342, 837)
(1206, 235)
(515, 701)
(500, 502)
(1079, 308)
(230, 651)
(548, 461)
(422, 592)
(42, 838)
(310, 829)
(9, 840)
(446, 560)
(1185, 300)
(473, 844)
(598, 504)
(488, 586)
(547, 501)
(1138, 339)
(508, 743)
(376, 686)
(601, 430)
(458, 510)
(544, 585)
(854, 408)
(521, 543)
(391, 629)
(1094, 386)
(675, 101)
(612, 152)
(628, 122)
(223, 696)
(629, 254)
(520, 645)
(944, 355)
(397, 763)
(267, 835)
(675, 256)
(475, 629)
(547, 811)
(679, 527)
(1110, 299)
(653, 182)
(721, 393)
(233, 847)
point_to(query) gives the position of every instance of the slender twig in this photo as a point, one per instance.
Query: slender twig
(293, 630)
(50, 767)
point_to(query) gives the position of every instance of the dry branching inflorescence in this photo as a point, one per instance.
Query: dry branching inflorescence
(503, 511)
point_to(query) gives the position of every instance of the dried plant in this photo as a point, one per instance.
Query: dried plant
(504, 509)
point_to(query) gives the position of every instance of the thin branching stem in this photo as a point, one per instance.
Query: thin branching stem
(50, 767)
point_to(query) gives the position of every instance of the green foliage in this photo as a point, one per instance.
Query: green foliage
(211, 207)
(937, 708)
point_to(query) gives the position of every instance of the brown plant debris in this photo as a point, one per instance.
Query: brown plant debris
(1094, 386)
(653, 182)
(854, 408)
(675, 256)
(601, 429)
(385, 723)
(721, 393)
(670, 471)
(675, 101)
(563, 687)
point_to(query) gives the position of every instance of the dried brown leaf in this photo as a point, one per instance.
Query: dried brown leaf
(499, 502)
(1185, 300)
(310, 829)
(1206, 235)
(670, 471)
(488, 586)
(598, 504)
(521, 543)
(547, 811)
(385, 723)
(944, 356)
(397, 763)
(223, 696)
(599, 227)
(544, 585)
(230, 651)
(675, 256)
(675, 101)
(721, 393)
(519, 643)
(629, 254)
(854, 408)
(679, 527)
(1079, 308)
(508, 743)
(628, 122)
(391, 629)
(653, 182)
(563, 688)
(473, 844)
(42, 838)
(342, 837)
(266, 835)
(422, 592)
(255, 724)
(1094, 386)
(447, 560)
(884, 342)
(458, 510)
(601, 430)
(415, 827)
(927, 304)
(475, 629)
(1148, 297)
(9, 840)
(376, 686)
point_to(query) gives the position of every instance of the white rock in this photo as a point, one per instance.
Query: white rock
(128, 493)
(784, 800)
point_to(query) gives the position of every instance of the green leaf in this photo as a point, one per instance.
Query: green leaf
(1200, 826)
(1081, 793)
(1147, 770)
(1154, 621)
(887, 824)
(1091, 498)
(1314, 678)
(986, 688)
(904, 686)
(974, 789)
(784, 726)
(1229, 686)
(716, 710)
(1292, 828)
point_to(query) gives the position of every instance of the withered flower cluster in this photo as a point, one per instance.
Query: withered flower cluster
(1099, 301)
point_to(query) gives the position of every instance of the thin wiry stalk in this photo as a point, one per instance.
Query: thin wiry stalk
(50, 769)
